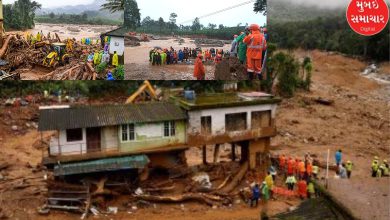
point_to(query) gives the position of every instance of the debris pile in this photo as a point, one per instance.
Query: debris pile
(230, 69)
(132, 41)
(203, 42)
(21, 56)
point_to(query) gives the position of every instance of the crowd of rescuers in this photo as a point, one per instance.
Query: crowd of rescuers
(249, 47)
(299, 176)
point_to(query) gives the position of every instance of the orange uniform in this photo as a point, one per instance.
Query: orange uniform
(282, 162)
(309, 169)
(290, 166)
(256, 43)
(199, 71)
(302, 189)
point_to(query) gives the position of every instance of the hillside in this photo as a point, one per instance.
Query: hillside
(287, 10)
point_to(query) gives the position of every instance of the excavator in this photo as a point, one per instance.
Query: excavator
(145, 93)
(57, 56)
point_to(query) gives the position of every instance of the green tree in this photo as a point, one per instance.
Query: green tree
(52, 15)
(261, 6)
(113, 5)
(172, 21)
(132, 15)
(20, 15)
(212, 26)
(196, 26)
(161, 23)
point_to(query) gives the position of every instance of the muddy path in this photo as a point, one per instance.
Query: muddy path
(138, 67)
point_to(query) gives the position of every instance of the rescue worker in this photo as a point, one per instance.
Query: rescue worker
(316, 171)
(106, 57)
(96, 58)
(82, 40)
(100, 57)
(265, 191)
(242, 47)
(110, 77)
(69, 45)
(199, 70)
(302, 169)
(375, 166)
(269, 180)
(291, 181)
(234, 48)
(256, 43)
(343, 172)
(115, 59)
(311, 192)
(106, 47)
(384, 167)
(302, 189)
(39, 37)
(90, 58)
(290, 167)
(282, 163)
(349, 166)
(309, 169)
(255, 196)
(338, 157)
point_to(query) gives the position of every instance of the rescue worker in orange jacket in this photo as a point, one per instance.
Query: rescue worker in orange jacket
(199, 71)
(302, 169)
(256, 43)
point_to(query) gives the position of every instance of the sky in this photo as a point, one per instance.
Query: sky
(189, 10)
(55, 3)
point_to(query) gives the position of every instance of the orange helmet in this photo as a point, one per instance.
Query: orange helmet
(254, 27)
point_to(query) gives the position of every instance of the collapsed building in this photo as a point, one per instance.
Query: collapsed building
(132, 139)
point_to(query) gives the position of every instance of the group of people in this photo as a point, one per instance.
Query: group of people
(379, 169)
(172, 56)
(251, 49)
(103, 56)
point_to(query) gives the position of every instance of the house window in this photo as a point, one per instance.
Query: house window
(169, 129)
(128, 132)
(235, 122)
(206, 125)
(73, 135)
(261, 119)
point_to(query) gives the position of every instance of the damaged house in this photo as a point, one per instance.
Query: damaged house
(104, 138)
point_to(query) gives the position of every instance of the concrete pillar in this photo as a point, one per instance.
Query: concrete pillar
(233, 152)
(204, 154)
(216, 153)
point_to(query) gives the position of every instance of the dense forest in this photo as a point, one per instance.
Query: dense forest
(88, 17)
(20, 15)
(330, 34)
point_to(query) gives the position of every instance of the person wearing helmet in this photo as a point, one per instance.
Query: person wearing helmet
(234, 49)
(349, 167)
(256, 43)
(375, 166)
(385, 168)
(199, 71)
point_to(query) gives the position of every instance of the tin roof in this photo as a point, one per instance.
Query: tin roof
(107, 115)
(109, 164)
(119, 32)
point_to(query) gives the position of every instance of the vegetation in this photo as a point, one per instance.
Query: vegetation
(261, 6)
(101, 67)
(20, 15)
(114, 5)
(132, 15)
(330, 34)
(119, 73)
(87, 17)
(95, 88)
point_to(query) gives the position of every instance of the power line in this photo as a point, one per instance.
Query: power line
(219, 11)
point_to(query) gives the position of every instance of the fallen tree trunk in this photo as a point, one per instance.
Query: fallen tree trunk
(237, 179)
(199, 197)
(5, 45)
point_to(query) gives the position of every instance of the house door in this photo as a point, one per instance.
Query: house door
(93, 140)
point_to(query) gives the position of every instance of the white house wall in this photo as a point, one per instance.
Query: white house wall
(68, 147)
(117, 44)
(218, 117)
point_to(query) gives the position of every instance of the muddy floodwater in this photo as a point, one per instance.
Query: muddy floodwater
(138, 66)
(73, 30)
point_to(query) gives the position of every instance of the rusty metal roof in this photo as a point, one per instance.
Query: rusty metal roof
(108, 115)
